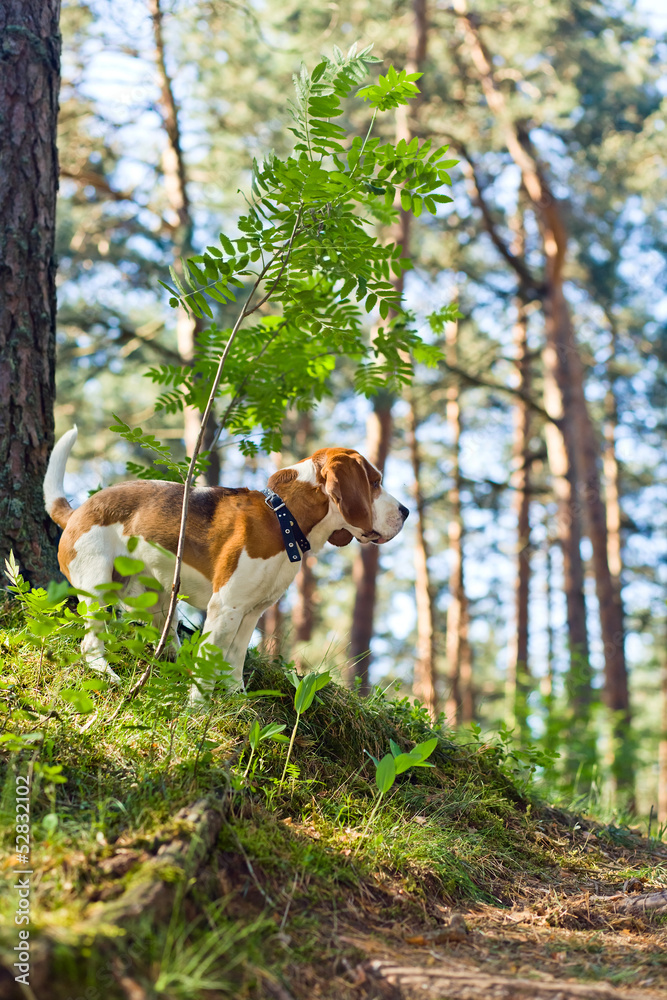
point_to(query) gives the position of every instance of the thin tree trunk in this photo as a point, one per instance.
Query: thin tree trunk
(578, 428)
(623, 764)
(518, 674)
(364, 572)
(551, 724)
(29, 83)
(611, 472)
(662, 746)
(424, 684)
(303, 615)
(460, 705)
(519, 671)
(379, 425)
(271, 626)
(176, 189)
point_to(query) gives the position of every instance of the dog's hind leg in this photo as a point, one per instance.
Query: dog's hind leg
(91, 567)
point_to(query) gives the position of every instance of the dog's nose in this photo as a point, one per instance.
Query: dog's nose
(403, 511)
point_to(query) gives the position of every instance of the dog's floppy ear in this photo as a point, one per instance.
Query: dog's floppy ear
(340, 537)
(346, 481)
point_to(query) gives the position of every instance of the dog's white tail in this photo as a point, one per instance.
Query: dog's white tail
(57, 506)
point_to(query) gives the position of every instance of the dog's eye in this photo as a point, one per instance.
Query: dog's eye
(376, 485)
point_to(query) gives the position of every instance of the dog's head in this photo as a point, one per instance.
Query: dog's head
(354, 486)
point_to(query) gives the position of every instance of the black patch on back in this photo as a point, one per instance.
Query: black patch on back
(204, 500)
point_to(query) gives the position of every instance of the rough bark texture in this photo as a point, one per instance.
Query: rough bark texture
(174, 171)
(424, 684)
(460, 705)
(518, 668)
(29, 84)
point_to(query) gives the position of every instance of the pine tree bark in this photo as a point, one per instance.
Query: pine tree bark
(566, 362)
(29, 83)
(518, 667)
(460, 705)
(174, 171)
(424, 684)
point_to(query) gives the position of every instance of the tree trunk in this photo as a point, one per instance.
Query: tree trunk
(611, 472)
(379, 426)
(662, 746)
(424, 684)
(303, 615)
(176, 189)
(271, 626)
(551, 738)
(623, 763)
(518, 670)
(364, 573)
(460, 706)
(29, 83)
(562, 347)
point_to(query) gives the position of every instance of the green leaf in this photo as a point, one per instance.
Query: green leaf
(141, 602)
(305, 693)
(254, 735)
(226, 245)
(271, 731)
(128, 567)
(79, 701)
(42, 628)
(385, 775)
(424, 750)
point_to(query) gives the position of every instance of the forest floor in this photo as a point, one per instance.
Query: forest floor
(164, 866)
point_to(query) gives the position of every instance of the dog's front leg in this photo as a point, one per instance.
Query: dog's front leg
(222, 624)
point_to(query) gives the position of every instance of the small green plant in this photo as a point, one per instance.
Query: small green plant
(306, 689)
(272, 731)
(519, 762)
(395, 763)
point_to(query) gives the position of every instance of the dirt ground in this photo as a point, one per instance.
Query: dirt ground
(568, 935)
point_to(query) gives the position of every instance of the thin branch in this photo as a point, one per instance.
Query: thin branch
(528, 281)
(477, 380)
(187, 489)
(90, 178)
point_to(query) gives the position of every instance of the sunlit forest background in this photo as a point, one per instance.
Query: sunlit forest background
(488, 606)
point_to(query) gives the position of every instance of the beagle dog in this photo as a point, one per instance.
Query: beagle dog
(242, 546)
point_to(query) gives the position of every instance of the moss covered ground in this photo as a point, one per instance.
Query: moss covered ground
(168, 864)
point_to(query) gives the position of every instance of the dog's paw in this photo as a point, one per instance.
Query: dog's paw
(100, 666)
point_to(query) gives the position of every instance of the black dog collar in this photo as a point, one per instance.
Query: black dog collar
(293, 537)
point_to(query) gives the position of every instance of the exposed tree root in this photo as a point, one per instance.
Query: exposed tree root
(149, 897)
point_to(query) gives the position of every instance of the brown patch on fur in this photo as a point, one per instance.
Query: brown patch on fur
(340, 537)
(222, 522)
(61, 511)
